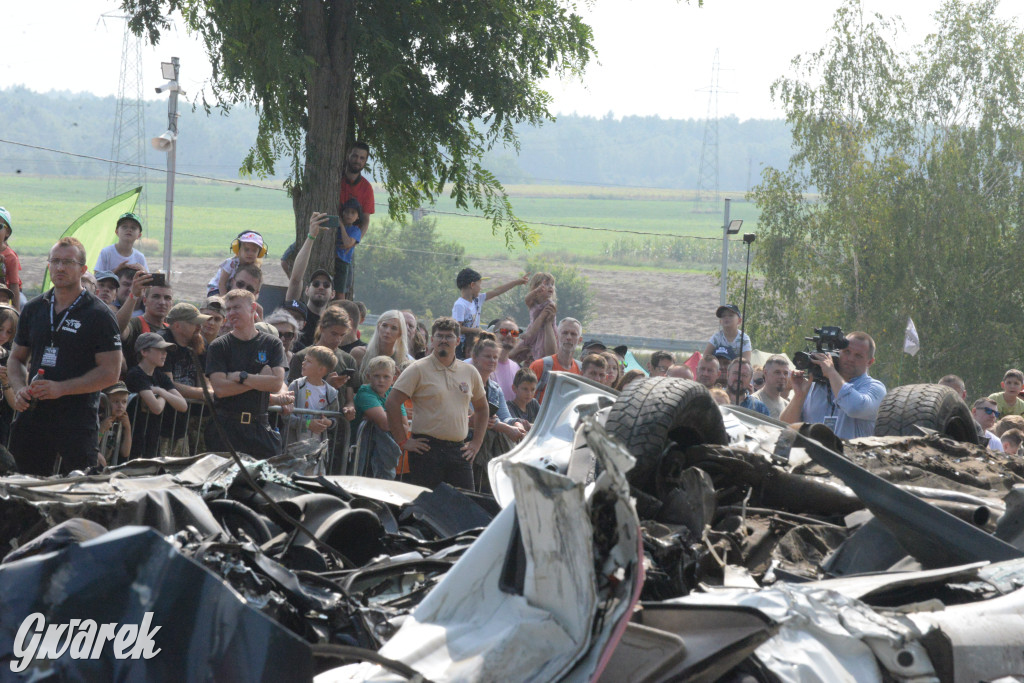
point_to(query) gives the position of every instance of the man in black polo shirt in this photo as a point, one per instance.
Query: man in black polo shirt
(72, 337)
(245, 367)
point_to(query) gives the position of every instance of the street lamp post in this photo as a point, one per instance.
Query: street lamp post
(168, 142)
(728, 228)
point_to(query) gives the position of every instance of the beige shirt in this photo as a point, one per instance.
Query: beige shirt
(774, 406)
(441, 396)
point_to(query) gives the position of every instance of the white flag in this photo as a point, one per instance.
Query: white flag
(911, 342)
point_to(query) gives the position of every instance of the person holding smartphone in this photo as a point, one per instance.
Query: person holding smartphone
(156, 294)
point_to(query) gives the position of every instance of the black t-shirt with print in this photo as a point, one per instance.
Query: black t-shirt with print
(81, 331)
(228, 353)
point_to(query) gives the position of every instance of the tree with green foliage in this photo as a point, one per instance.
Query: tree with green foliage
(420, 277)
(429, 85)
(903, 197)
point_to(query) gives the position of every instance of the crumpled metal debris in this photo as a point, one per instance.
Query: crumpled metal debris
(743, 561)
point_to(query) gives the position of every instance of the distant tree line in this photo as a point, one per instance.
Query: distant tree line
(642, 151)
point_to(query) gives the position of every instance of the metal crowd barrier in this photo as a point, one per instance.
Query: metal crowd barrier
(181, 434)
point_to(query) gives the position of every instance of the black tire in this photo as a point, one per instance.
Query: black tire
(650, 413)
(929, 405)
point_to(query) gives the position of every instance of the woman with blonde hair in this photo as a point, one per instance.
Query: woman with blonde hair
(389, 339)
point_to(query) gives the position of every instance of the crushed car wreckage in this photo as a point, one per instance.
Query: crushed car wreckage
(647, 536)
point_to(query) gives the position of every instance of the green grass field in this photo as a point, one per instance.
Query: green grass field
(207, 215)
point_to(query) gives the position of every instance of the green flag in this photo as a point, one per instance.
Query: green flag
(95, 228)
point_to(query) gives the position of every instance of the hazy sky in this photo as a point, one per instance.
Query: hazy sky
(655, 56)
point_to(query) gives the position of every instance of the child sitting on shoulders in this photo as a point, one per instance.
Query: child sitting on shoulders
(349, 235)
(540, 338)
(729, 336)
(112, 258)
(249, 249)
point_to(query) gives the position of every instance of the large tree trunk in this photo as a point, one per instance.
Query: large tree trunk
(326, 28)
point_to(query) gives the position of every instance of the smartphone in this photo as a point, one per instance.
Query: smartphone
(493, 408)
(350, 372)
(159, 280)
(333, 222)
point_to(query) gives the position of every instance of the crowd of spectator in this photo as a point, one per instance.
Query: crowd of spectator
(108, 365)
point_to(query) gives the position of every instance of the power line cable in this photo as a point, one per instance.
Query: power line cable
(281, 189)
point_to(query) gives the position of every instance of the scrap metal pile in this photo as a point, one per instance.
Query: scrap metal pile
(647, 536)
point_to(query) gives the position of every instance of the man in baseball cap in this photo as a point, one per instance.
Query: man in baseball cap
(183, 333)
(10, 266)
(106, 287)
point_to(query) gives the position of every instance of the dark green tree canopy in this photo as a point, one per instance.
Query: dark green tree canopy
(430, 85)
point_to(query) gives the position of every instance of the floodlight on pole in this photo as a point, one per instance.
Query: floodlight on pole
(728, 228)
(168, 142)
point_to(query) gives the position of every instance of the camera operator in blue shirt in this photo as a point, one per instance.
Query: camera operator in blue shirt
(847, 399)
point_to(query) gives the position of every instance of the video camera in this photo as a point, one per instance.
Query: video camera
(827, 340)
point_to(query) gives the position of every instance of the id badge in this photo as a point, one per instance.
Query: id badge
(830, 421)
(49, 357)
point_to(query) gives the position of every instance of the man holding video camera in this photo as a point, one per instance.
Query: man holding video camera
(845, 398)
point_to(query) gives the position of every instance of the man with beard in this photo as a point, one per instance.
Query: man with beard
(158, 303)
(355, 186)
(442, 390)
(847, 402)
(776, 375)
(738, 387)
(184, 323)
(320, 291)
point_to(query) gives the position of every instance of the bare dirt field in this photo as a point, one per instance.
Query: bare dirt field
(639, 303)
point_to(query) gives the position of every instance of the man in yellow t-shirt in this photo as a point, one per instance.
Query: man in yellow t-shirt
(441, 389)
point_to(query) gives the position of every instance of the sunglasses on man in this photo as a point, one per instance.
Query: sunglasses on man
(989, 411)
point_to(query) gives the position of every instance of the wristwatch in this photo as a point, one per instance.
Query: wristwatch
(242, 376)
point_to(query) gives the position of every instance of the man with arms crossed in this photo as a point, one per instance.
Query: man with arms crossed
(245, 367)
